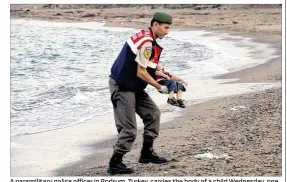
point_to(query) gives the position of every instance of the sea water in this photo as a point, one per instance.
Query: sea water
(59, 84)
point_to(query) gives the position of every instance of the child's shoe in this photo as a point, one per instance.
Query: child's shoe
(180, 103)
(172, 101)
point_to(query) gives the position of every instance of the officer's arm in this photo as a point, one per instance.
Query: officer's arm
(142, 59)
(145, 76)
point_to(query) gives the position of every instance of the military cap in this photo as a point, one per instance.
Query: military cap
(163, 17)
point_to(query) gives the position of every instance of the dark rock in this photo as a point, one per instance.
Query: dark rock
(89, 15)
(201, 7)
(216, 5)
(47, 5)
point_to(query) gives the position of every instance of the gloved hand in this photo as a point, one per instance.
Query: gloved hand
(163, 89)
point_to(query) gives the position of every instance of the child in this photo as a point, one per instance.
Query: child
(174, 85)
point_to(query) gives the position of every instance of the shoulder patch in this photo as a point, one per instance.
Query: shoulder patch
(147, 52)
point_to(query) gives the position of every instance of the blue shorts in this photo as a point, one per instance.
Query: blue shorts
(172, 85)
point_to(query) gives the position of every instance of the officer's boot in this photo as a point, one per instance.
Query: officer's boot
(116, 165)
(148, 155)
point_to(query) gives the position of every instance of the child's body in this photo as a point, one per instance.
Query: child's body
(175, 85)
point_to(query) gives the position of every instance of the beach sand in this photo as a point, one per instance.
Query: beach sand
(247, 128)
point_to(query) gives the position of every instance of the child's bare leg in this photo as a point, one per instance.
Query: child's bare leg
(179, 94)
(171, 94)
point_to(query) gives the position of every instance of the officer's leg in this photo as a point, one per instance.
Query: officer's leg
(150, 114)
(125, 120)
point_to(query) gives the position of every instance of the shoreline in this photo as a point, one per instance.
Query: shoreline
(188, 134)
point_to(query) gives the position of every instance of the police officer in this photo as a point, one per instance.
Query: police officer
(132, 70)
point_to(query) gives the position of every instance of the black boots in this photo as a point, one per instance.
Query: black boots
(180, 103)
(148, 155)
(116, 165)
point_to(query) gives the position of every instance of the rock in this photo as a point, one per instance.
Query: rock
(89, 15)
(216, 5)
(47, 5)
(201, 7)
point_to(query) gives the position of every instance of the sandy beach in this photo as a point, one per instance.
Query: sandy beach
(246, 128)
